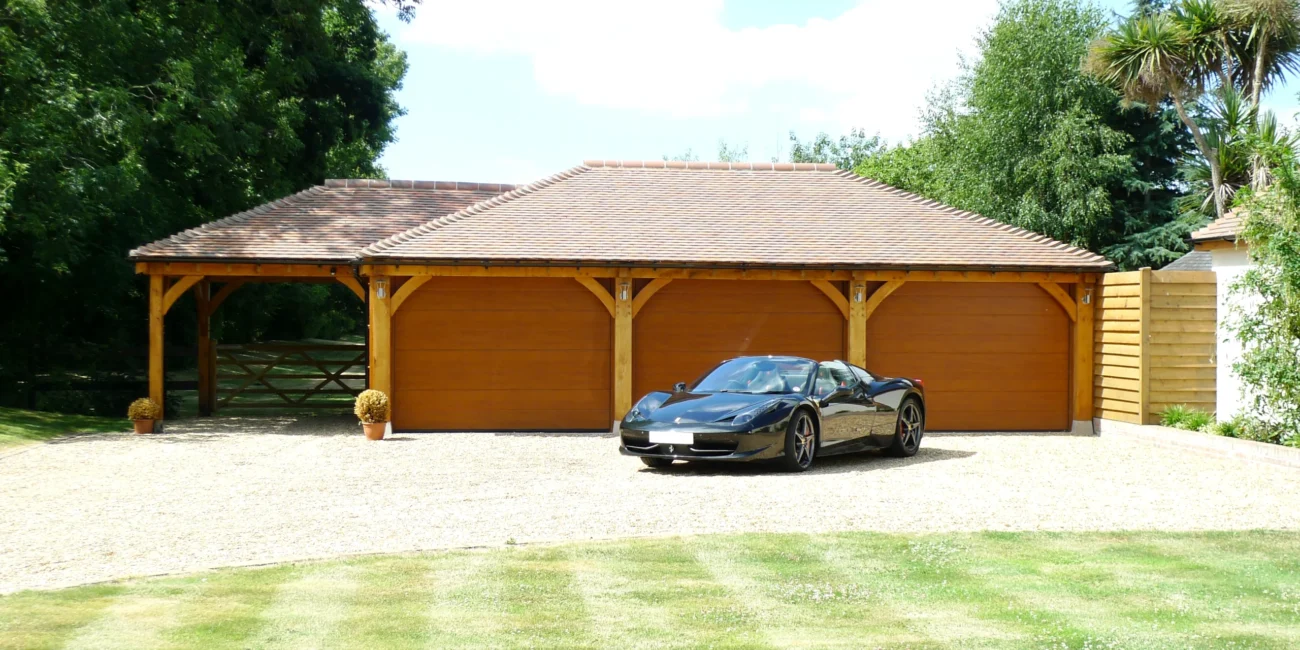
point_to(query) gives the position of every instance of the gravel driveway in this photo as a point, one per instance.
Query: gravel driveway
(228, 491)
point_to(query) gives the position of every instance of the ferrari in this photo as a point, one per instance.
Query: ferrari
(788, 410)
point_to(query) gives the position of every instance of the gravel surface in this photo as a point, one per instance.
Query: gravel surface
(229, 491)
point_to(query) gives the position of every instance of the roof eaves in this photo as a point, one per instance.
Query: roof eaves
(378, 248)
(192, 233)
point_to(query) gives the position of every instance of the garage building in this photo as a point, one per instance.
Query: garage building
(555, 305)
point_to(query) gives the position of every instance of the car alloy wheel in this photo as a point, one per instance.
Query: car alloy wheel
(909, 427)
(805, 441)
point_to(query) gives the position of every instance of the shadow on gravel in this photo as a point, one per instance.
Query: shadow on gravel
(189, 430)
(1008, 434)
(848, 463)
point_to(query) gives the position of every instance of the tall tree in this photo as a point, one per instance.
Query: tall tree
(1025, 137)
(846, 153)
(127, 120)
(1200, 48)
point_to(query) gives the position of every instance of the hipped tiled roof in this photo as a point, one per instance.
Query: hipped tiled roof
(328, 223)
(1193, 261)
(1228, 227)
(741, 214)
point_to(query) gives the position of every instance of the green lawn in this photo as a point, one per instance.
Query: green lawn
(19, 426)
(852, 590)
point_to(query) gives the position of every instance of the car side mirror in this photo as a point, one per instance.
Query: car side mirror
(679, 387)
(838, 393)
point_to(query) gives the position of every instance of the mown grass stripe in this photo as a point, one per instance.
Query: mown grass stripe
(944, 572)
(619, 612)
(654, 594)
(307, 610)
(139, 618)
(541, 604)
(389, 606)
(793, 595)
(41, 620)
(464, 607)
(949, 623)
(230, 611)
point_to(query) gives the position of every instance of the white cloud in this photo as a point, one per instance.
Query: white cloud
(871, 66)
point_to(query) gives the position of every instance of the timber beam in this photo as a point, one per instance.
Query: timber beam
(719, 274)
(834, 294)
(1062, 297)
(214, 269)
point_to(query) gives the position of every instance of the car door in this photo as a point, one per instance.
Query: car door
(885, 396)
(846, 410)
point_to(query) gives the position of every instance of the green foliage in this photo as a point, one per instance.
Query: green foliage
(1266, 299)
(124, 122)
(848, 152)
(1180, 416)
(1025, 137)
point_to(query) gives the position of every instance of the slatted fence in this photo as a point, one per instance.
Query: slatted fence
(1155, 344)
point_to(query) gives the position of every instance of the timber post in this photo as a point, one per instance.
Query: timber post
(622, 379)
(381, 347)
(156, 312)
(857, 323)
(1083, 363)
(202, 301)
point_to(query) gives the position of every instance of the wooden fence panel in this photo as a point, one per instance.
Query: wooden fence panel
(1155, 334)
(1118, 357)
(1183, 339)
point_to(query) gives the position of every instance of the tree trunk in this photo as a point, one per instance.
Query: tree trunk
(1211, 155)
(1257, 80)
(1256, 88)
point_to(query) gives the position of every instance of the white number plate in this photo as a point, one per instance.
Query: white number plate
(672, 437)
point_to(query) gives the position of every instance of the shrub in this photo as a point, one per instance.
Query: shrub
(144, 409)
(372, 407)
(1180, 416)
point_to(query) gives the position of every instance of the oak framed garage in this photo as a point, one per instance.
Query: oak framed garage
(553, 305)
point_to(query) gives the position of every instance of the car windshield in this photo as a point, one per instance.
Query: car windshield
(757, 375)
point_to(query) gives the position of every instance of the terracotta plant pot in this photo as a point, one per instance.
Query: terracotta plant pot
(143, 426)
(374, 431)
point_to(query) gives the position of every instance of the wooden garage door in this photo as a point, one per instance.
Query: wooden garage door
(691, 325)
(501, 354)
(993, 356)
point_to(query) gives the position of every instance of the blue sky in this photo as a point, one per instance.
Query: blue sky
(515, 90)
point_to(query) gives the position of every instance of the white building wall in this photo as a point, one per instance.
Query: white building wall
(1229, 264)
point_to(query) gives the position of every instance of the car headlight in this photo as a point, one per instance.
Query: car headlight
(644, 407)
(747, 416)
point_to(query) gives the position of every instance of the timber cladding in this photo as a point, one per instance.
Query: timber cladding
(994, 356)
(691, 325)
(1155, 344)
(501, 354)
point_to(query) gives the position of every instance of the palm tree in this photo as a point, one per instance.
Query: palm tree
(1150, 58)
(1272, 43)
(1271, 47)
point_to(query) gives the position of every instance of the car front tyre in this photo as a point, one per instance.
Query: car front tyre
(800, 443)
(908, 430)
(657, 463)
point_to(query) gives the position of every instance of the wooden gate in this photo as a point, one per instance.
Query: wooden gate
(288, 375)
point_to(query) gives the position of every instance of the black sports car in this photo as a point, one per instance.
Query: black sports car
(787, 409)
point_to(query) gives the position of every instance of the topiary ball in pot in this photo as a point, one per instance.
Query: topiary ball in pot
(372, 410)
(143, 412)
